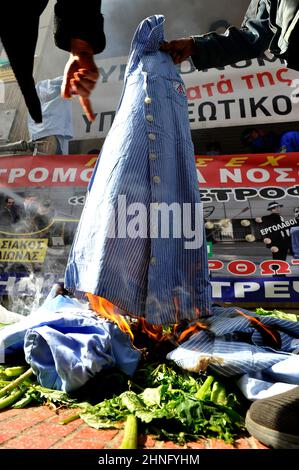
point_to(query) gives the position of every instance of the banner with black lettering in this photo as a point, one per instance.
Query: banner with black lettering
(251, 217)
(251, 92)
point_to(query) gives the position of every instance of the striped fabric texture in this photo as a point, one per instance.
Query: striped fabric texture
(147, 160)
(233, 346)
(66, 345)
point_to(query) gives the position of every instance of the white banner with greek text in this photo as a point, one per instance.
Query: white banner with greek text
(257, 91)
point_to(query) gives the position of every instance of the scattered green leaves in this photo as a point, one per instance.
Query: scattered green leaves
(277, 314)
(167, 401)
(172, 407)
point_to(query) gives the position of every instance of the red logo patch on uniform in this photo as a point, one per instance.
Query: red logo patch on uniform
(179, 88)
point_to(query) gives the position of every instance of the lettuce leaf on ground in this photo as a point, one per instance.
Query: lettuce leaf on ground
(277, 314)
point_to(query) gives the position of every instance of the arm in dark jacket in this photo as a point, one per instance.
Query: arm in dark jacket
(217, 50)
(80, 21)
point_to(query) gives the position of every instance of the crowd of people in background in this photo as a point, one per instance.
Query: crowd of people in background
(30, 216)
(260, 141)
(256, 140)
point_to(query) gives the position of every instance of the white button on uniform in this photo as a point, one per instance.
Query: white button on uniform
(157, 179)
(149, 118)
(152, 136)
(152, 156)
(147, 100)
(153, 260)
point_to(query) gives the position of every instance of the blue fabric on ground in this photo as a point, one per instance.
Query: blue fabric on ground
(67, 347)
(54, 302)
(232, 346)
(66, 360)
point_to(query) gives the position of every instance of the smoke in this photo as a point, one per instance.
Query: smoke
(182, 18)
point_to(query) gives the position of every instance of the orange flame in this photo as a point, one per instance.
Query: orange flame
(193, 328)
(154, 332)
(273, 335)
(107, 310)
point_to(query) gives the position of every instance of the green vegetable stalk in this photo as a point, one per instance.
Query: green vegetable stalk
(10, 399)
(130, 435)
(24, 401)
(69, 419)
(15, 371)
(16, 382)
(218, 394)
(200, 394)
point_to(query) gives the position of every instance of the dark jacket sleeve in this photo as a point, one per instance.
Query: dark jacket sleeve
(81, 21)
(217, 50)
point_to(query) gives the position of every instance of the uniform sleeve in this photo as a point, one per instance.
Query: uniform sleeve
(217, 50)
(81, 21)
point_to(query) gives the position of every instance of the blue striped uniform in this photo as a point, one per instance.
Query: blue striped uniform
(232, 346)
(148, 157)
(66, 345)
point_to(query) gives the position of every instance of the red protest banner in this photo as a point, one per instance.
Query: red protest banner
(251, 251)
(247, 170)
(50, 170)
(212, 171)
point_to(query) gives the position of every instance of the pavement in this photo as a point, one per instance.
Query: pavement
(38, 428)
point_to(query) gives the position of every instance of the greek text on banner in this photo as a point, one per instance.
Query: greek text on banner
(25, 250)
(230, 171)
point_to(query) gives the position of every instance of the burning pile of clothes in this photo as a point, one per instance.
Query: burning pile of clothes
(67, 342)
(176, 374)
